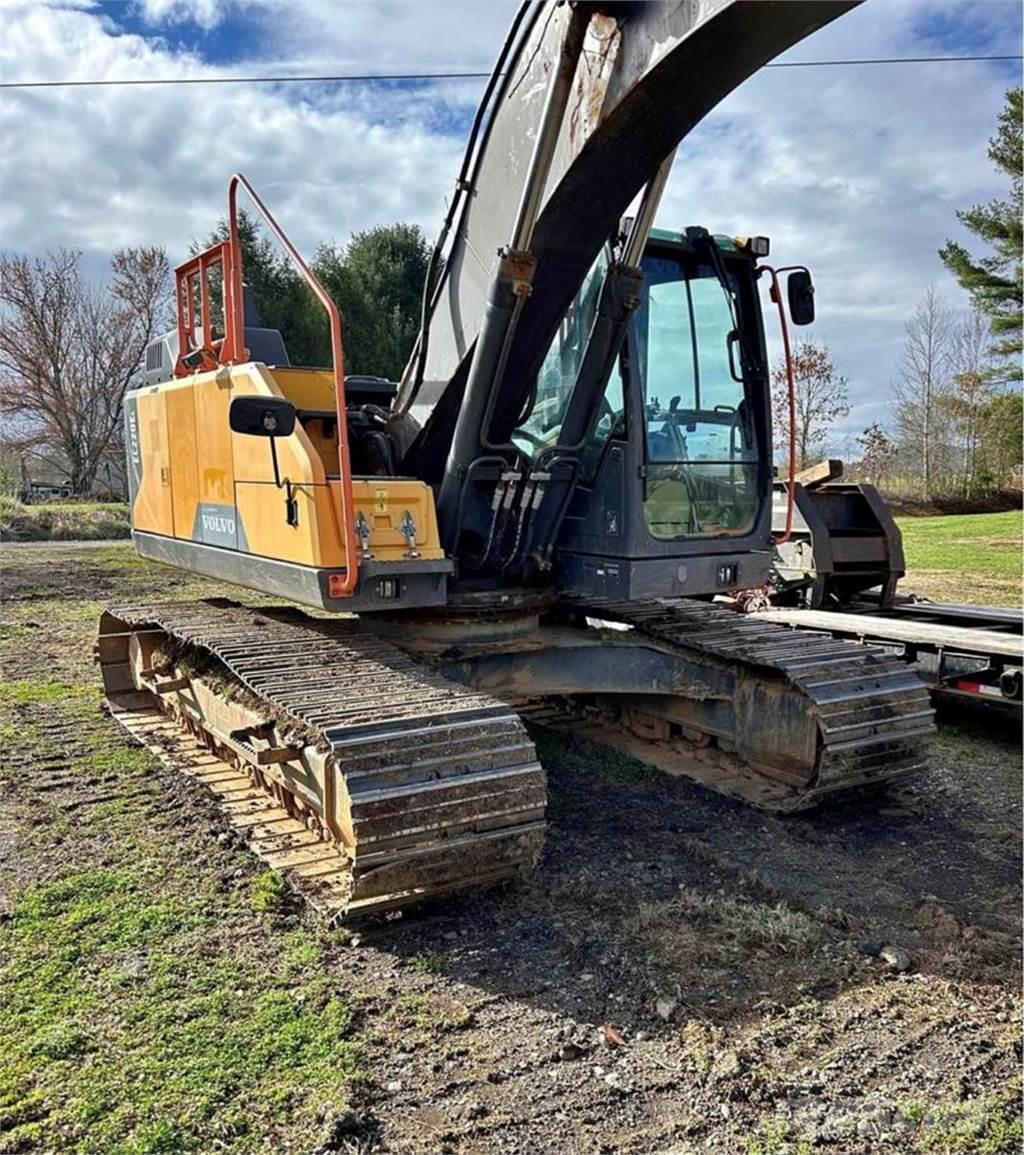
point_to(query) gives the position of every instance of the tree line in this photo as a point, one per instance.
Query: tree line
(69, 348)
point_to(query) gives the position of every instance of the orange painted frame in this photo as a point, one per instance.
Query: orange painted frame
(775, 292)
(193, 275)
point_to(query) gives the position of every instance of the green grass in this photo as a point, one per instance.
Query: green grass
(989, 1125)
(978, 543)
(965, 557)
(63, 521)
(773, 1138)
(428, 963)
(28, 691)
(76, 506)
(121, 1038)
(429, 1015)
(268, 892)
(147, 1009)
(578, 754)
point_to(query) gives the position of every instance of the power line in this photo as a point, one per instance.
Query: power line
(885, 60)
(357, 78)
(347, 78)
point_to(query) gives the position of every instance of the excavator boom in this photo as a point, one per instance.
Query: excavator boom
(591, 100)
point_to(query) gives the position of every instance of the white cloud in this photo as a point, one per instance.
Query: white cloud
(855, 171)
(358, 35)
(206, 13)
(97, 168)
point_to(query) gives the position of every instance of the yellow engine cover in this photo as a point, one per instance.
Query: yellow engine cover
(205, 498)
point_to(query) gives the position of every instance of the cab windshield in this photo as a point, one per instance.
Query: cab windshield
(702, 466)
(557, 377)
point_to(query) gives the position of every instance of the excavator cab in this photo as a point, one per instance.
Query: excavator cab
(674, 486)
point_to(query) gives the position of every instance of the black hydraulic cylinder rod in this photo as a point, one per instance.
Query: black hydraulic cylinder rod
(503, 299)
(555, 102)
(643, 222)
(620, 295)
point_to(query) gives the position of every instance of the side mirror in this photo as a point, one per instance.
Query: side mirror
(800, 291)
(262, 416)
(271, 417)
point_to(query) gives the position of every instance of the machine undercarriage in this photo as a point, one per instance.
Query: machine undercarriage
(373, 780)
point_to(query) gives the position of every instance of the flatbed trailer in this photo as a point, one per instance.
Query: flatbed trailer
(965, 653)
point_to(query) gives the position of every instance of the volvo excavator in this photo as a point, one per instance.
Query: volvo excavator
(533, 523)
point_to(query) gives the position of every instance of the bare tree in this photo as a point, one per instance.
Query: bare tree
(922, 389)
(971, 388)
(820, 399)
(69, 349)
(877, 453)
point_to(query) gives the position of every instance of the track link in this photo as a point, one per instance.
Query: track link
(370, 781)
(873, 713)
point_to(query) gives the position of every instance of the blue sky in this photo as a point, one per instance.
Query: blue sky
(236, 35)
(856, 171)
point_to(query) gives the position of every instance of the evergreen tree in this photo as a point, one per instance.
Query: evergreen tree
(999, 442)
(358, 314)
(376, 281)
(386, 268)
(282, 298)
(995, 281)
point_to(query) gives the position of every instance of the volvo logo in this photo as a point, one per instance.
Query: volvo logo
(215, 523)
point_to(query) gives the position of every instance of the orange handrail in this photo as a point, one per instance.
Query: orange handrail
(191, 280)
(776, 296)
(233, 305)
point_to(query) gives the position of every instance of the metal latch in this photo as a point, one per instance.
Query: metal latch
(407, 529)
(363, 533)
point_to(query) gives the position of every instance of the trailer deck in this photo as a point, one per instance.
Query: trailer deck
(974, 652)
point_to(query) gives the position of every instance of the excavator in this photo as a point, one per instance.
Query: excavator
(534, 523)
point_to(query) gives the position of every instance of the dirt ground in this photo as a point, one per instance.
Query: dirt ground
(681, 975)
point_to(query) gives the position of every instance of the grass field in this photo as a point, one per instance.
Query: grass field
(63, 521)
(965, 558)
